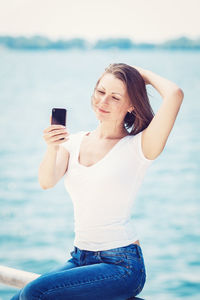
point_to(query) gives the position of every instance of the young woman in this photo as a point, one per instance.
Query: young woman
(103, 170)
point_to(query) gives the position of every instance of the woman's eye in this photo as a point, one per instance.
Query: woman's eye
(103, 93)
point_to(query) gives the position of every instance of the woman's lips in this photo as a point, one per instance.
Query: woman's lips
(104, 111)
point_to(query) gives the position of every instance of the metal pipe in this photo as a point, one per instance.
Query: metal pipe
(15, 277)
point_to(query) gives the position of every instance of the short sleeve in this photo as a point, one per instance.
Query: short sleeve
(68, 144)
(139, 149)
(71, 142)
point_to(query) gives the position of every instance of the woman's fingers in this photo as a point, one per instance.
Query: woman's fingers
(57, 131)
(53, 127)
(58, 142)
(142, 73)
(54, 133)
(57, 137)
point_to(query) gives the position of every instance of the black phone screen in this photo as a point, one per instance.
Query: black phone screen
(59, 116)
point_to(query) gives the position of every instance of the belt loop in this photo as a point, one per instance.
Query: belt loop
(138, 251)
(82, 254)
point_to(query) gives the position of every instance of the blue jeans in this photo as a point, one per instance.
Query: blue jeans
(115, 274)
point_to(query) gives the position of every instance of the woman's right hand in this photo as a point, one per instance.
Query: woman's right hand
(53, 134)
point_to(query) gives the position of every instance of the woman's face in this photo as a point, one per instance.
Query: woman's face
(111, 101)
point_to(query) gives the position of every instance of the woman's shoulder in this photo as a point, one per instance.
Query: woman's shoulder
(72, 139)
(135, 141)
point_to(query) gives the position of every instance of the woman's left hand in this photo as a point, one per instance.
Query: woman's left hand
(142, 73)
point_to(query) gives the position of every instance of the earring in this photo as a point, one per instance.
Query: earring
(131, 112)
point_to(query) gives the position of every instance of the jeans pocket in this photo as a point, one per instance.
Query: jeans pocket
(113, 258)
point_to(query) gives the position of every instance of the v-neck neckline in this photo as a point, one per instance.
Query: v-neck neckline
(102, 159)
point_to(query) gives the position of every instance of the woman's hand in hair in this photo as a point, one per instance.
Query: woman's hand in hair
(142, 73)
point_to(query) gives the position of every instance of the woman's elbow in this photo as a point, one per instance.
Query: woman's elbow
(179, 94)
(45, 186)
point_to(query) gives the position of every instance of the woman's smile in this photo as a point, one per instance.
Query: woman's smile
(103, 111)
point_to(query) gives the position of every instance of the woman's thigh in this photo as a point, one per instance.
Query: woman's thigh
(116, 274)
(66, 266)
(96, 281)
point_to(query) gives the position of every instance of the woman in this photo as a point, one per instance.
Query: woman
(103, 171)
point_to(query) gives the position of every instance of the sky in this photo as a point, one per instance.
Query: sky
(139, 20)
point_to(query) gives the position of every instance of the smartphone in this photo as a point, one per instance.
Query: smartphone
(59, 116)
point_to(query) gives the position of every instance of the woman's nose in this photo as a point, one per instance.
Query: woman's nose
(104, 99)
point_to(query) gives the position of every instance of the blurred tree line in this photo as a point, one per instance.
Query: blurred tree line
(43, 43)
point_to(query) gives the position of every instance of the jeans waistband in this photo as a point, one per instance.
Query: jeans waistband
(124, 249)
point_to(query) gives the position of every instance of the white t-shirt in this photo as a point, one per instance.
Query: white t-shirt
(103, 194)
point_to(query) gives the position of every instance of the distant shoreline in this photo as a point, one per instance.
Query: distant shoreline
(37, 42)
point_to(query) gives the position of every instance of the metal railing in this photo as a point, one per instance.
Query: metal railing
(15, 277)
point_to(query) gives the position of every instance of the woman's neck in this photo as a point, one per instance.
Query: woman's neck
(103, 132)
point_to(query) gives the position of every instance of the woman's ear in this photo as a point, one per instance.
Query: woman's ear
(131, 109)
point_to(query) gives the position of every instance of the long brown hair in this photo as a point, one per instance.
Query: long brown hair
(142, 114)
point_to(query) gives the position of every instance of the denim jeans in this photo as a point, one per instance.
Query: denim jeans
(114, 274)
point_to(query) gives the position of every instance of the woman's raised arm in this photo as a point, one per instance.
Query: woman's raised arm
(156, 134)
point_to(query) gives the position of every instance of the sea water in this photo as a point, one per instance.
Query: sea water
(36, 226)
